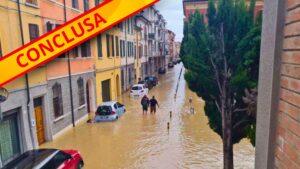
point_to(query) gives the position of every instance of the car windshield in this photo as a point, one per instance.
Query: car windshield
(136, 88)
(141, 82)
(104, 110)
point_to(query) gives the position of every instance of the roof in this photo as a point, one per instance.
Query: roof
(30, 159)
(138, 85)
(108, 103)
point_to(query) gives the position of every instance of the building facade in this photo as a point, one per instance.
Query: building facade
(108, 64)
(170, 46)
(60, 93)
(70, 77)
(20, 24)
(190, 6)
(278, 109)
(128, 53)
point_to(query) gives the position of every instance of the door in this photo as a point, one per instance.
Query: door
(106, 90)
(39, 120)
(9, 137)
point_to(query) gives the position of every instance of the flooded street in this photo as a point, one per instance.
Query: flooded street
(143, 141)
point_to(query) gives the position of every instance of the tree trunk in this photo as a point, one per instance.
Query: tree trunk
(227, 144)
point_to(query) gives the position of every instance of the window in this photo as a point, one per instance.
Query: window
(58, 159)
(107, 45)
(121, 26)
(86, 5)
(57, 25)
(99, 42)
(121, 48)
(48, 26)
(140, 51)
(112, 45)
(145, 51)
(75, 52)
(57, 100)
(34, 2)
(86, 49)
(128, 49)
(75, 4)
(81, 91)
(128, 26)
(117, 46)
(62, 56)
(97, 2)
(33, 31)
(134, 51)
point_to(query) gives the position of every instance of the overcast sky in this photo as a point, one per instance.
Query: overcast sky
(173, 13)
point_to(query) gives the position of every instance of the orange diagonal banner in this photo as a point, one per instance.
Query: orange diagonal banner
(74, 32)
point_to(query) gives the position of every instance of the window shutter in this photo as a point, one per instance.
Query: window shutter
(33, 31)
(99, 42)
(48, 26)
(107, 45)
(112, 45)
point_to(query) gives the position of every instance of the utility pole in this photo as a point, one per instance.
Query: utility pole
(69, 71)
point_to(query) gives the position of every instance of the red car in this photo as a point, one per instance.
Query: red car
(47, 159)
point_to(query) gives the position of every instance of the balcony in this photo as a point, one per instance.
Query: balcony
(151, 36)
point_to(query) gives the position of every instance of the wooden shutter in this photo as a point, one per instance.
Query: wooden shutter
(33, 31)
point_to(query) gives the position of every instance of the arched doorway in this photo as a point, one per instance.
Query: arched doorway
(90, 96)
(118, 85)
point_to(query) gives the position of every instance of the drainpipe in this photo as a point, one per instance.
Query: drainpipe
(26, 77)
(126, 52)
(69, 72)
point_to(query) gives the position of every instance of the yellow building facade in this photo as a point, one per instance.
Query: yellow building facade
(108, 85)
(18, 122)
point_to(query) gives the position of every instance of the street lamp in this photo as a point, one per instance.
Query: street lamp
(3, 97)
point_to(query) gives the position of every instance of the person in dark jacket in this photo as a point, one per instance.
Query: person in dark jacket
(145, 104)
(153, 104)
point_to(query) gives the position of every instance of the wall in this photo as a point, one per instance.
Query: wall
(278, 108)
(287, 148)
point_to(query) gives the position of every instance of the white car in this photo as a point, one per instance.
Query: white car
(138, 90)
(109, 111)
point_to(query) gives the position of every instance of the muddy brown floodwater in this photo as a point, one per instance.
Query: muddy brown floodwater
(143, 142)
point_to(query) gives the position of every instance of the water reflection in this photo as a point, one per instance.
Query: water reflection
(143, 141)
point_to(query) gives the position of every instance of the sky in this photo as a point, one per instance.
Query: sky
(172, 11)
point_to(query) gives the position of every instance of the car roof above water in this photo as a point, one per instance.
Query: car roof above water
(109, 103)
(141, 85)
(30, 159)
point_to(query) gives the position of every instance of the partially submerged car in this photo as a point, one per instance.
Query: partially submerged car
(162, 70)
(152, 79)
(170, 65)
(148, 84)
(138, 90)
(109, 111)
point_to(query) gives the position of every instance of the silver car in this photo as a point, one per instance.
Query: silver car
(109, 111)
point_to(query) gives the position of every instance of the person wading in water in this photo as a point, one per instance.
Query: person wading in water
(145, 104)
(153, 103)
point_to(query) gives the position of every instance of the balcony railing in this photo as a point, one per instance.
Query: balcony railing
(33, 2)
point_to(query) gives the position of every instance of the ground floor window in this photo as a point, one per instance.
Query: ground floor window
(9, 138)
